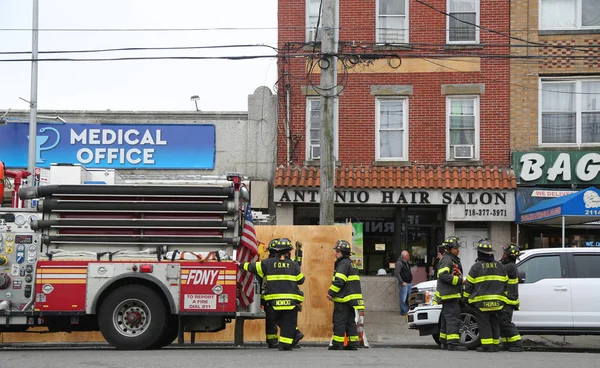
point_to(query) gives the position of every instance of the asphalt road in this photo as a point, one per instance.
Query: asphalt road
(305, 358)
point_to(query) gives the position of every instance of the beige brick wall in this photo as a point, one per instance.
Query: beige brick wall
(525, 72)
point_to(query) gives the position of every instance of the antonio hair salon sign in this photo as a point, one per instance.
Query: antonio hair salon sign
(474, 205)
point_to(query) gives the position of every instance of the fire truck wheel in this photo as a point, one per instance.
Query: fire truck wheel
(133, 317)
(170, 333)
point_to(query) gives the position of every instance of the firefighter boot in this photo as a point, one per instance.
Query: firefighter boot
(443, 346)
(486, 349)
(515, 347)
(299, 336)
(456, 347)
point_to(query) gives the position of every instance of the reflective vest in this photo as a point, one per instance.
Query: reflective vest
(449, 284)
(487, 286)
(282, 276)
(345, 285)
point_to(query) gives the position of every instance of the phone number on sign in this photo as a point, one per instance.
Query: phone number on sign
(484, 212)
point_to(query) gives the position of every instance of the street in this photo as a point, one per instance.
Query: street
(305, 357)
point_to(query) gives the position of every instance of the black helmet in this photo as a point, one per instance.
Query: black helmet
(273, 245)
(343, 246)
(511, 250)
(484, 246)
(283, 245)
(451, 242)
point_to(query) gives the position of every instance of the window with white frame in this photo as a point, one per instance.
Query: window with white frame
(462, 127)
(392, 21)
(391, 134)
(313, 128)
(570, 112)
(569, 14)
(464, 15)
(312, 17)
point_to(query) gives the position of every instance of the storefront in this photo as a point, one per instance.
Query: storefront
(392, 220)
(544, 175)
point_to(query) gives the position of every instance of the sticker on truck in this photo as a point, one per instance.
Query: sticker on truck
(200, 301)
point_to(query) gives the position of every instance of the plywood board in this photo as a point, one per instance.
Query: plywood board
(315, 318)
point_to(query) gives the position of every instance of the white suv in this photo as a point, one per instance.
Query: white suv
(559, 295)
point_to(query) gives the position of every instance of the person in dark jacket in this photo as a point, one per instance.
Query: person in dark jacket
(404, 277)
(346, 294)
(436, 261)
(448, 293)
(485, 290)
(511, 339)
(282, 295)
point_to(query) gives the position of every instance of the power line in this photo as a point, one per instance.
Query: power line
(246, 57)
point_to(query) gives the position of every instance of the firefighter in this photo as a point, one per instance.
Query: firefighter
(282, 295)
(436, 262)
(511, 339)
(346, 294)
(448, 293)
(485, 290)
(298, 259)
(270, 317)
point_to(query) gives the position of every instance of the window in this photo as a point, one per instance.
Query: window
(312, 17)
(586, 266)
(392, 129)
(313, 128)
(461, 23)
(570, 112)
(569, 14)
(462, 128)
(540, 268)
(392, 22)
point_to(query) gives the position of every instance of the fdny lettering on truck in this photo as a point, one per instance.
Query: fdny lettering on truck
(207, 276)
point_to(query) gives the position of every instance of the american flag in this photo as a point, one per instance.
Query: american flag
(247, 252)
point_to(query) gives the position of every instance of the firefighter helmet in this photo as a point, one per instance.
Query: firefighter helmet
(451, 242)
(512, 250)
(343, 246)
(273, 244)
(484, 246)
(283, 245)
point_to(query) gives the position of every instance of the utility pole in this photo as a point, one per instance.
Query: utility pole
(327, 90)
(31, 158)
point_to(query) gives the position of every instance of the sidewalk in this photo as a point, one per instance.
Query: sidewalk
(390, 329)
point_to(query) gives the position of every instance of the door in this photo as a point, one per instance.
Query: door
(545, 297)
(468, 246)
(585, 293)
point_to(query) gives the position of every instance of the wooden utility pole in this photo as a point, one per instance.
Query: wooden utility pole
(328, 91)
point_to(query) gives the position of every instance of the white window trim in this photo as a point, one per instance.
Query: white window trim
(476, 152)
(306, 22)
(477, 29)
(307, 132)
(578, 20)
(404, 156)
(578, 110)
(407, 22)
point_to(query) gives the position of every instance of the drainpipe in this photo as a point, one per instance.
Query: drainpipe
(287, 123)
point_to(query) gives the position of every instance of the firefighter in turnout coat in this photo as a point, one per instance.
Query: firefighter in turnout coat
(511, 339)
(282, 295)
(346, 294)
(448, 293)
(485, 290)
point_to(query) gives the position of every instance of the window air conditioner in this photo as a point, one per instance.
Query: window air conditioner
(315, 152)
(463, 151)
(311, 35)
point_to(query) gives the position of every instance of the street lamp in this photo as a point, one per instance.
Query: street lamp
(195, 98)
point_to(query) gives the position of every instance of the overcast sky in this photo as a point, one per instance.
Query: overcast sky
(138, 85)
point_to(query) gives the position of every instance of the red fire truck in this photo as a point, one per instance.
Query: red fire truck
(140, 263)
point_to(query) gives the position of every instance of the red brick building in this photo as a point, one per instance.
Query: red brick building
(422, 132)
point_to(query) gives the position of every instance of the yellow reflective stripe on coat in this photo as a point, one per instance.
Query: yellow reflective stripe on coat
(259, 269)
(341, 276)
(354, 278)
(284, 296)
(281, 278)
(347, 298)
(300, 276)
(513, 281)
(465, 294)
(491, 309)
(475, 280)
(512, 302)
(442, 270)
(334, 288)
(455, 280)
(285, 307)
(359, 307)
(449, 296)
(481, 298)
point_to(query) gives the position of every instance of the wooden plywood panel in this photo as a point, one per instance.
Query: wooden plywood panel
(315, 318)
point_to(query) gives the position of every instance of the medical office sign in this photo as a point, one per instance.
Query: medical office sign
(132, 146)
(557, 167)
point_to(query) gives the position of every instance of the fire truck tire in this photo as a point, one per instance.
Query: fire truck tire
(133, 317)
(170, 333)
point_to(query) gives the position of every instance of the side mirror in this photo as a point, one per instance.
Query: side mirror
(522, 277)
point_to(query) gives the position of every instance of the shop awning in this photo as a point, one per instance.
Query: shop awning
(576, 208)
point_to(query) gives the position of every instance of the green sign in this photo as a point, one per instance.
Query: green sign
(557, 167)
(357, 245)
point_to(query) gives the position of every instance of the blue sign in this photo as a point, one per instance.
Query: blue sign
(111, 146)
